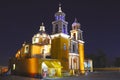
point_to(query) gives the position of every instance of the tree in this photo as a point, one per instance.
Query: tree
(117, 62)
(99, 58)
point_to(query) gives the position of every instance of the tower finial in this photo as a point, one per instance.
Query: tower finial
(42, 27)
(75, 20)
(60, 10)
(42, 24)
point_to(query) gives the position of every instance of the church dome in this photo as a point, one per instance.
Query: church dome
(41, 37)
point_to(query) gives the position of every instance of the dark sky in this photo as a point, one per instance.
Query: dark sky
(99, 19)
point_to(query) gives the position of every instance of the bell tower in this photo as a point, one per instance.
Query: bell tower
(76, 32)
(60, 39)
(60, 25)
(76, 36)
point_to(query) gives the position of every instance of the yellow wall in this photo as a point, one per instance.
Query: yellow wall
(81, 59)
(36, 49)
(27, 66)
(33, 66)
(58, 52)
(23, 54)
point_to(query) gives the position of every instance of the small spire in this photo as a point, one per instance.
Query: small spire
(76, 20)
(42, 24)
(60, 10)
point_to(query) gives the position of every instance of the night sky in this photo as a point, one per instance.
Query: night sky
(99, 19)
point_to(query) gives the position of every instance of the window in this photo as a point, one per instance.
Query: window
(13, 66)
(73, 48)
(81, 36)
(64, 29)
(74, 36)
(26, 48)
(43, 51)
(64, 46)
(35, 40)
(56, 28)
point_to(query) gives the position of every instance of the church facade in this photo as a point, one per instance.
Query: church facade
(52, 54)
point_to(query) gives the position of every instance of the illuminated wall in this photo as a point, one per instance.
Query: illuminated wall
(81, 57)
(33, 50)
(60, 51)
(36, 49)
(25, 66)
(40, 50)
(24, 51)
(34, 66)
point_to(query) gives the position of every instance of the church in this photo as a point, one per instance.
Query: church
(52, 55)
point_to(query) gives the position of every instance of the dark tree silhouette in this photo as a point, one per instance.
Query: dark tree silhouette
(99, 58)
(117, 62)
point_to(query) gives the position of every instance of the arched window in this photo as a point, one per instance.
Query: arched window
(26, 48)
(64, 29)
(74, 36)
(56, 28)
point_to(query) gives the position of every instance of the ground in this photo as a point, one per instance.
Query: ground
(89, 76)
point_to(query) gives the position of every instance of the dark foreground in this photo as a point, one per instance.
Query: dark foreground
(89, 76)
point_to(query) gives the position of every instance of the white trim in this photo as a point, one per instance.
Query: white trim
(75, 41)
(60, 34)
(81, 41)
(73, 54)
